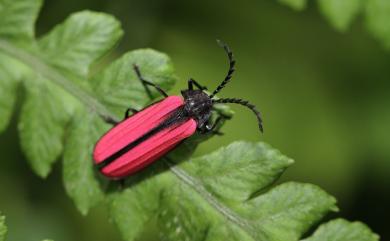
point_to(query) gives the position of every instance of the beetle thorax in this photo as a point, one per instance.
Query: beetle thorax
(197, 103)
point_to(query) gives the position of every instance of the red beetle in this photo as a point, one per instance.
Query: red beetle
(149, 134)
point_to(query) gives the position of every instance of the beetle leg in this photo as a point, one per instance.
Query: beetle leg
(146, 83)
(207, 128)
(192, 82)
(127, 113)
(216, 126)
(122, 183)
(109, 120)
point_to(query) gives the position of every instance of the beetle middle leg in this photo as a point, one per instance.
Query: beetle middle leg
(110, 120)
(127, 113)
(147, 83)
(213, 128)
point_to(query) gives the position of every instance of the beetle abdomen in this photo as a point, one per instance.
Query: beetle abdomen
(132, 130)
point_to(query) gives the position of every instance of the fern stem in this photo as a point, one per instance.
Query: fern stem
(222, 209)
(38, 65)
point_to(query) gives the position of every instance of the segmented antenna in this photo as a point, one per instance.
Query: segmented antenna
(246, 104)
(232, 62)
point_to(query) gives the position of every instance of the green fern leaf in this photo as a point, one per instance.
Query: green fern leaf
(43, 118)
(62, 113)
(118, 87)
(342, 230)
(83, 38)
(378, 20)
(10, 77)
(340, 13)
(78, 173)
(189, 191)
(18, 19)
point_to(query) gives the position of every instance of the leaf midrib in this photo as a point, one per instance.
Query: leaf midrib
(36, 64)
(230, 215)
(39, 65)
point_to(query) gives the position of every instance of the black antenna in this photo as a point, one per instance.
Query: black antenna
(244, 103)
(232, 62)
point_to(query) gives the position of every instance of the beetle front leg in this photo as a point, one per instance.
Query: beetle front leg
(146, 83)
(192, 82)
(208, 128)
(216, 126)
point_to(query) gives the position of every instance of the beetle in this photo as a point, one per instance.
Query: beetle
(147, 135)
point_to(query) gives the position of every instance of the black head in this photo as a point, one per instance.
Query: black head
(198, 104)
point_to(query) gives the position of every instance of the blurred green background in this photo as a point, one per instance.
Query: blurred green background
(324, 95)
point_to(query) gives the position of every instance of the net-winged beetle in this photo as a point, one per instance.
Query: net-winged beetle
(147, 135)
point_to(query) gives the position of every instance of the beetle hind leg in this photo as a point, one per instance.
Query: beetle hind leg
(121, 183)
(109, 120)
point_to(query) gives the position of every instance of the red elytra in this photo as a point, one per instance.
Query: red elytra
(133, 128)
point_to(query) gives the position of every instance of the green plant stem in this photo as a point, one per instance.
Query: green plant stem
(222, 209)
(36, 64)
